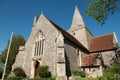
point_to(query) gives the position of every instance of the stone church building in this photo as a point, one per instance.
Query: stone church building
(64, 51)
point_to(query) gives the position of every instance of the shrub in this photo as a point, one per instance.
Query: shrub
(111, 73)
(43, 72)
(19, 72)
(78, 73)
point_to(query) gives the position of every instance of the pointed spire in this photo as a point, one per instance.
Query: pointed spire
(35, 20)
(77, 19)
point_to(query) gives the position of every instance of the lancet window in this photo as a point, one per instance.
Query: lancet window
(39, 42)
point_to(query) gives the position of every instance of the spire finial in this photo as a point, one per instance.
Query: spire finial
(76, 6)
(42, 12)
(35, 20)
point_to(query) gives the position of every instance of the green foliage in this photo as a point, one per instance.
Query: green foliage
(17, 41)
(112, 73)
(101, 9)
(19, 72)
(22, 78)
(78, 73)
(3, 55)
(15, 78)
(43, 79)
(43, 72)
(88, 79)
(81, 79)
(1, 72)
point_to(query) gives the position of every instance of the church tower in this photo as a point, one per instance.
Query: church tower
(79, 30)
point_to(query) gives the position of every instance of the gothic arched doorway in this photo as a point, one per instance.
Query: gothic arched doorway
(36, 66)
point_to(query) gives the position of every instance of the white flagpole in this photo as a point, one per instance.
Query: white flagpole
(7, 56)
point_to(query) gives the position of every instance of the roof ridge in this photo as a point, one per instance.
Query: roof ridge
(102, 43)
(102, 35)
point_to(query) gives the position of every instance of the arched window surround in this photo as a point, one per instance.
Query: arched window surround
(39, 43)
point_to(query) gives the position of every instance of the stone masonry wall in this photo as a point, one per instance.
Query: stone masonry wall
(19, 61)
(108, 56)
(50, 33)
(82, 34)
(89, 36)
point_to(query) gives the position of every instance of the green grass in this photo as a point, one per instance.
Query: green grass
(42, 79)
(81, 79)
(87, 79)
(21, 78)
(15, 78)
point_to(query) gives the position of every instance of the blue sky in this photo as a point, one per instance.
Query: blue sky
(17, 16)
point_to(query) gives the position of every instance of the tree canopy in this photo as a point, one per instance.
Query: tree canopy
(17, 41)
(101, 9)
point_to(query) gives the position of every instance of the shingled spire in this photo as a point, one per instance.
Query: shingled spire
(77, 19)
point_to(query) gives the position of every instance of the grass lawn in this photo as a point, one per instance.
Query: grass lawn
(20, 78)
(87, 79)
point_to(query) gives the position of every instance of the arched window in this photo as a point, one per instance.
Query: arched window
(39, 42)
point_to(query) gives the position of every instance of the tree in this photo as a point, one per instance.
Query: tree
(1, 72)
(101, 9)
(17, 41)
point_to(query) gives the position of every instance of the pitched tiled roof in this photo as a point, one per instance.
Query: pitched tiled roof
(102, 43)
(90, 60)
(69, 36)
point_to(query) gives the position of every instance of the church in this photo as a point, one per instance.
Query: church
(63, 51)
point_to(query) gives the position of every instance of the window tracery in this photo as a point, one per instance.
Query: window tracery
(39, 42)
